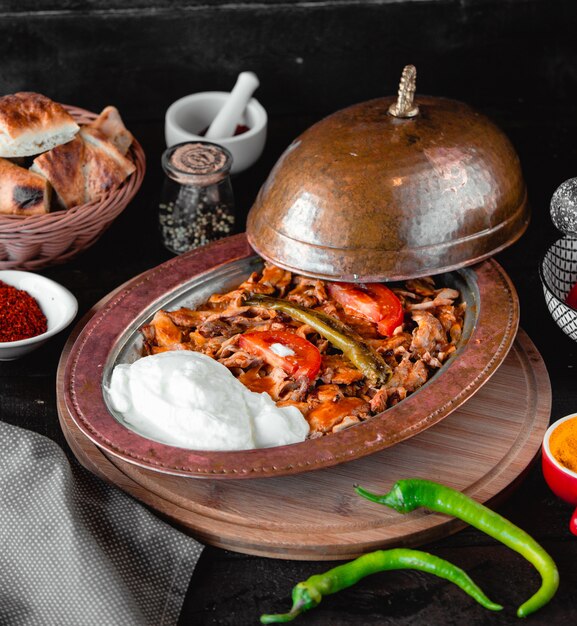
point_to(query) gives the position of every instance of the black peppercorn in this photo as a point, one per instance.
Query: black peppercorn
(197, 204)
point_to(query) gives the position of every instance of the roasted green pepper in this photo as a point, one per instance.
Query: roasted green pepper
(308, 594)
(407, 495)
(361, 355)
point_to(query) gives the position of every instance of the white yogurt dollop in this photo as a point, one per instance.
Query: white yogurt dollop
(281, 350)
(189, 400)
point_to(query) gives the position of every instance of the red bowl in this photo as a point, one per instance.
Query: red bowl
(561, 480)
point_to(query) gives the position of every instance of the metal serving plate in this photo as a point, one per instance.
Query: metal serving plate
(111, 336)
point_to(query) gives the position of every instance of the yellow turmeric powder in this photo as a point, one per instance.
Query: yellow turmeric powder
(563, 444)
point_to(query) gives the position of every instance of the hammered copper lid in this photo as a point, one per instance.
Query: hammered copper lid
(390, 189)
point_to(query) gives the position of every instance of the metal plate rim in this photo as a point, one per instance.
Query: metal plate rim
(492, 337)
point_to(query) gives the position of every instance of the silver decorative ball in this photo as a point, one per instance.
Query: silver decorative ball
(564, 207)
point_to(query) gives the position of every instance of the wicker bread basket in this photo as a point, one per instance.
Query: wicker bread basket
(36, 241)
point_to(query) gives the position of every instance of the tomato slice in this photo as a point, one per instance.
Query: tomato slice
(275, 348)
(571, 299)
(373, 301)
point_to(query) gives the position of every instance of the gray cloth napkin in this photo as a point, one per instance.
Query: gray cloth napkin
(76, 551)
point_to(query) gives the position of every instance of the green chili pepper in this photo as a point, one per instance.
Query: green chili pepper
(308, 594)
(361, 355)
(407, 495)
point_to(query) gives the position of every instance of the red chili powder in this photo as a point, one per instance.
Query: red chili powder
(239, 130)
(20, 315)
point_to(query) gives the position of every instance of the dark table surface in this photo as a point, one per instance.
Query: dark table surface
(229, 588)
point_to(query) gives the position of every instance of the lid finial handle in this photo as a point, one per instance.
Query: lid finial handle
(404, 106)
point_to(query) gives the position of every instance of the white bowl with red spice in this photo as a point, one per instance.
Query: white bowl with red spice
(33, 308)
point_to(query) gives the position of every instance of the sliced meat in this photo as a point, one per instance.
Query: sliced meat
(446, 315)
(293, 390)
(432, 361)
(234, 320)
(166, 332)
(214, 328)
(309, 292)
(169, 348)
(396, 395)
(348, 421)
(442, 297)
(147, 335)
(424, 287)
(256, 380)
(446, 293)
(390, 344)
(189, 318)
(310, 334)
(276, 278)
(276, 383)
(211, 346)
(285, 387)
(325, 393)
(234, 298)
(378, 402)
(240, 359)
(338, 369)
(326, 415)
(409, 375)
(429, 336)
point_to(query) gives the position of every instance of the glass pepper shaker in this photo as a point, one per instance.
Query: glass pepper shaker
(197, 202)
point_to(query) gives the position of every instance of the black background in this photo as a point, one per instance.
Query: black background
(514, 60)
(312, 57)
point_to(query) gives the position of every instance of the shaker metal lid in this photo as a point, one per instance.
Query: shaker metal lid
(391, 189)
(197, 162)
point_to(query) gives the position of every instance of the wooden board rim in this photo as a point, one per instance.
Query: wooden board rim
(219, 528)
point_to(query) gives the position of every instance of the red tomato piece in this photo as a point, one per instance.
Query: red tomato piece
(571, 299)
(305, 360)
(356, 299)
(373, 301)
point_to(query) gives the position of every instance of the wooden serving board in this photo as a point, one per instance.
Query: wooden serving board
(482, 448)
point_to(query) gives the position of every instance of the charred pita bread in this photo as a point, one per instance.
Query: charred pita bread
(83, 169)
(22, 192)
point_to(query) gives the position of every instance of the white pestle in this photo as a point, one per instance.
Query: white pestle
(226, 120)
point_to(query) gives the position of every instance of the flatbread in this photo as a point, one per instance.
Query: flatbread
(104, 165)
(31, 123)
(111, 125)
(83, 169)
(63, 167)
(22, 192)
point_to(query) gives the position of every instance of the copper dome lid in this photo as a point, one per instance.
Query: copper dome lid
(390, 189)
